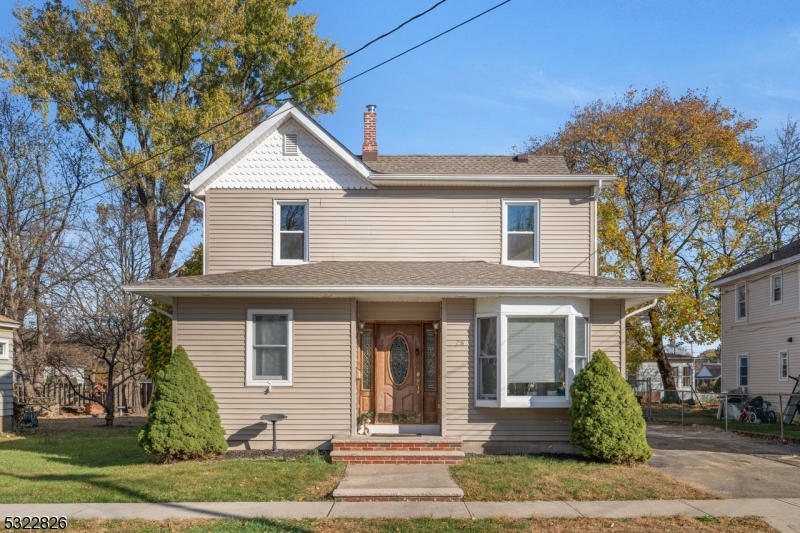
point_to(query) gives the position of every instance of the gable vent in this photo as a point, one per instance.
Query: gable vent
(290, 144)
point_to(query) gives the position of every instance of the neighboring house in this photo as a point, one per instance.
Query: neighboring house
(707, 374)
(7, 327)
(75, 374)
(450, 295)
(682, 371)
(760, 306)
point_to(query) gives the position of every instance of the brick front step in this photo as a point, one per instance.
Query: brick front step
(397, 450)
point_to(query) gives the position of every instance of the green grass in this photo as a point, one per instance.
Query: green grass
(106, 465)
(678, 524)
(529, 478)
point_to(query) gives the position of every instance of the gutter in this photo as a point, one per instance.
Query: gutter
(360, 289)
(645, 308)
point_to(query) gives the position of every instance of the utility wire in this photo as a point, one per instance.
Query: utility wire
(264, 100)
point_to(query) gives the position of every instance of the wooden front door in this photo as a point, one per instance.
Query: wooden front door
(398, 373)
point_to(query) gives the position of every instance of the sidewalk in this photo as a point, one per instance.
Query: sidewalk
(783, 514)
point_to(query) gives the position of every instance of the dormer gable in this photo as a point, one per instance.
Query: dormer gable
(289, 150)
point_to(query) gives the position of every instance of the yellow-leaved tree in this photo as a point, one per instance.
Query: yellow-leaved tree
(680, 164)
(140, 76)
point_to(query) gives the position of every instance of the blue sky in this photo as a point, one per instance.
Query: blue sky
(520, 70)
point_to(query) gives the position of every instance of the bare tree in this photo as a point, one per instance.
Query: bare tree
(42, 171)
(777, 192)
(105, 321)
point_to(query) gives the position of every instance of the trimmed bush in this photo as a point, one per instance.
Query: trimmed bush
(607, 422)
(183, 421)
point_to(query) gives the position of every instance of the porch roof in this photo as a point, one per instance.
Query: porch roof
(364, 278)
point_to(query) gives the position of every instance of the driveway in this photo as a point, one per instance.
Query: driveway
(726, 464)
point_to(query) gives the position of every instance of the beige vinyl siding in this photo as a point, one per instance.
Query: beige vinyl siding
(7, 374)
(481, 423)
(318, 404)
(403, 224)
(400, 311)
(763, 334)
(607, 330)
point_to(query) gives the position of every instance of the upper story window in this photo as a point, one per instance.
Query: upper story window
(290, 240)
(776, 288)
(521, 232)
(741, 302)
(269, 347)
(5, 352)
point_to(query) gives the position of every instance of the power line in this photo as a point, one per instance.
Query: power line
(308, 99)
(253, 106)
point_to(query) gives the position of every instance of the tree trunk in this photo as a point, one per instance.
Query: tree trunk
(660, 354)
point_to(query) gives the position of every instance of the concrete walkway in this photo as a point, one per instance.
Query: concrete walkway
(399, 482)
(783, 514)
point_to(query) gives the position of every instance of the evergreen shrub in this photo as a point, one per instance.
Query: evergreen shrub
(607, 422)
(183, 421)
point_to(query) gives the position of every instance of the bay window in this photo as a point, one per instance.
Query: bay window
(528, 355)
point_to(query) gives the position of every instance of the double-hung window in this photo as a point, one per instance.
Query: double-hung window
(776, 288)
(783, 365)
(743, 371)
(290, 236)
(741, 302)
(520, 245)
(269, 347)
(5, 350)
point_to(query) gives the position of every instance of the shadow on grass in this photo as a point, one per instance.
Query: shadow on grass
(97, 481)
(98, 447)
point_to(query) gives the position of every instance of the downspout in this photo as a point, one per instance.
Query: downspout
(645, 308)
(160, 311)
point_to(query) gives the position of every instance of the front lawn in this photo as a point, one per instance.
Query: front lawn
(677, 524)
(529, 478)
(98, 464)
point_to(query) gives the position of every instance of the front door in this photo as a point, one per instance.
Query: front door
(398, 379)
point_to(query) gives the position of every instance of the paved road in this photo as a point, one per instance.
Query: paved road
(726, 464)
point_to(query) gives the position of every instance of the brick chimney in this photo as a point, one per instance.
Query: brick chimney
(369, 150)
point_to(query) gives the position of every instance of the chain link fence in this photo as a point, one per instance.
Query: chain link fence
(771, 415)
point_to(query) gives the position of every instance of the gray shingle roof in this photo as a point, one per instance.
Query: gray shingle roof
(547, 165)
(791, 249)
(396, 274)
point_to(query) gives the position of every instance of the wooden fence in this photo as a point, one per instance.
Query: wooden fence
(132, 395)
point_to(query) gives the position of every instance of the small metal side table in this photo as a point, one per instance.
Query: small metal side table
(274, 418)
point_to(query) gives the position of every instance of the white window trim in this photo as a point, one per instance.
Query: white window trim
(537, 233)
(739, 369)
(736, 303)
(781, 355)
(503, 400)
(6, 349)
(276, 233)
(249, 380)
(481, 402)
(772, 301)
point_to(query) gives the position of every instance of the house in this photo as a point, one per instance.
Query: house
(682, 370)
(760, 308)
(7, 327)
(452, 296)
(707, 374)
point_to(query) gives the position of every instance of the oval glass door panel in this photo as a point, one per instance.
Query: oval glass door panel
(398, 360)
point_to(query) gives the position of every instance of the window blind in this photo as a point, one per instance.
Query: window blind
(536, 350)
